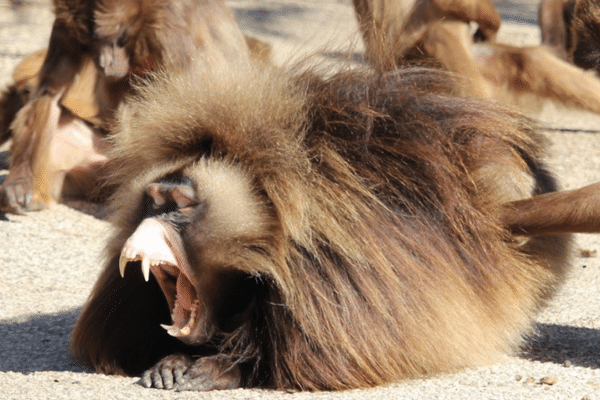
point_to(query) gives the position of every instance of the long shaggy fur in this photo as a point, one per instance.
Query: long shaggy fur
(382, 257)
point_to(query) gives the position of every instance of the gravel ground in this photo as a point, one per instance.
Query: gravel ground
(49, 260)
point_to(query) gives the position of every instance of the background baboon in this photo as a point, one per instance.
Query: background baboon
(96, 46)
(303, 232)
(399, 31)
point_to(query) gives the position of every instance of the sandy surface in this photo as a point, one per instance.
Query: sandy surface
(49, 260)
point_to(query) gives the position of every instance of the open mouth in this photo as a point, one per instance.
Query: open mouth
(160, 251)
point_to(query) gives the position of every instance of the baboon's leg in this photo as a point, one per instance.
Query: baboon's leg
(22, 190)
(447, 42)
(482, 12)
(537, 70)
(575, 211)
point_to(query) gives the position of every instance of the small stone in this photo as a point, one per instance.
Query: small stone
(549, 380)
(586, 253)
(530, 380)
(518, 378)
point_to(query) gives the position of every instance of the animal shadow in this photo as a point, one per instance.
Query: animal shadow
(561, 344)
(38, 343)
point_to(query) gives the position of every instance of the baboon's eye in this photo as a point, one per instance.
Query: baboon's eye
(170, 194)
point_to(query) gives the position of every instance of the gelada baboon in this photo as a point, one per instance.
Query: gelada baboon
(307, 231)
(58, 118)
(400, 31)
(572, 29)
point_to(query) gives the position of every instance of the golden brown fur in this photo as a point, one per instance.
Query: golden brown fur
(96, 47)
(397, 31)
(569, 211)
(353, 222)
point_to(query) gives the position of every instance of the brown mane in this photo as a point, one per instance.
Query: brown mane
(384, 257)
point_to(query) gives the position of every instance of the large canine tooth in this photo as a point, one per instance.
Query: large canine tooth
(171, 329)
(122, 264)
(127, 254)
(146, 268)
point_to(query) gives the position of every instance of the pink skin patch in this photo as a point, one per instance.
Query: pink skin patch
(74, 146)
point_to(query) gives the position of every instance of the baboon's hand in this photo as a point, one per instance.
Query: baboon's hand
(179, 372)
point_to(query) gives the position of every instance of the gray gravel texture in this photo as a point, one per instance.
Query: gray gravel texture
(49, 260)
